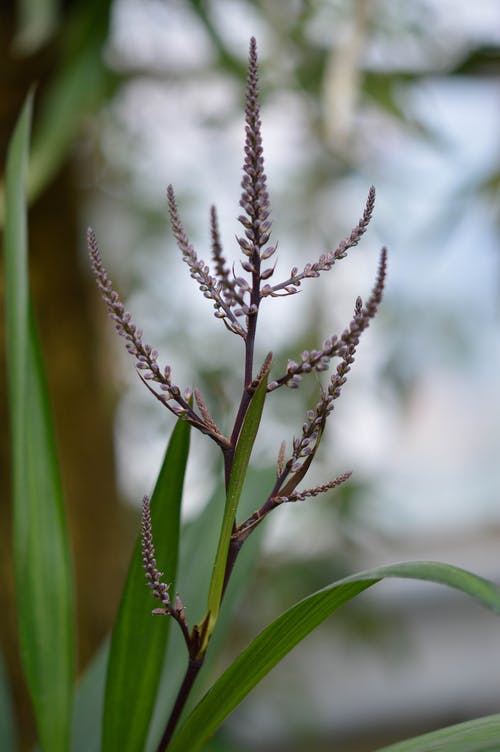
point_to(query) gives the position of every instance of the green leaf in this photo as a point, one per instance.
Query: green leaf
(271, 645)
(240, 464)
(139, 639)
(479, 735)
(41, 553)
(89, 703)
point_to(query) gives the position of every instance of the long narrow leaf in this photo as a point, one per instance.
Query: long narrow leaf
(235, 487)
(41, 552)
(139, 639)
(271, 645)
(89, 704)
(479, 735)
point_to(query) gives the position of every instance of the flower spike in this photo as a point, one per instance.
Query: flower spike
(146, 357)
(153, 576)
(327, 260)
(311, 492)
(199, 271)
(232, 295)
(254, 197)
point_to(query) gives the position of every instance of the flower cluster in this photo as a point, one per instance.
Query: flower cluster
(237, 300)
(326, 260)
(146, 357)
(210, 287)
(346, 350)
(153, 576)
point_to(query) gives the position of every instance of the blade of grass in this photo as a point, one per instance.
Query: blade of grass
(274, 642)
(139, 639)
(479, 735)
(241, 459)
(41, 552)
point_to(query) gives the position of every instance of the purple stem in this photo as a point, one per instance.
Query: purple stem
(193, 668)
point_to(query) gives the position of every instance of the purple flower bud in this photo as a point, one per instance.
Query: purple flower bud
(244, 221)
(268, 252)
(267, 273)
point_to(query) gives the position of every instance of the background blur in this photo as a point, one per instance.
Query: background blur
(133, 95)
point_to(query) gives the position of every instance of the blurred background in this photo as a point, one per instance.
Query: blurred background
(135, 94)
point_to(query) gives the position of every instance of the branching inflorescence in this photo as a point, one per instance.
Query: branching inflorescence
(237, 300)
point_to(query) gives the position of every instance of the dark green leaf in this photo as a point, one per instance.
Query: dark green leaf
(41, 553)
(139, 639)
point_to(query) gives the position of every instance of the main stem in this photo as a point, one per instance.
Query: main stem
(194, 665)
(193, 668)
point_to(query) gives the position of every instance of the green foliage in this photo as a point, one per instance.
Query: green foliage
(139, 642)
(481, 735)
(89, 704)
(41, 552)
(271, 646)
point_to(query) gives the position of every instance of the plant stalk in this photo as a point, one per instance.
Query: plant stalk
(193, 668)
